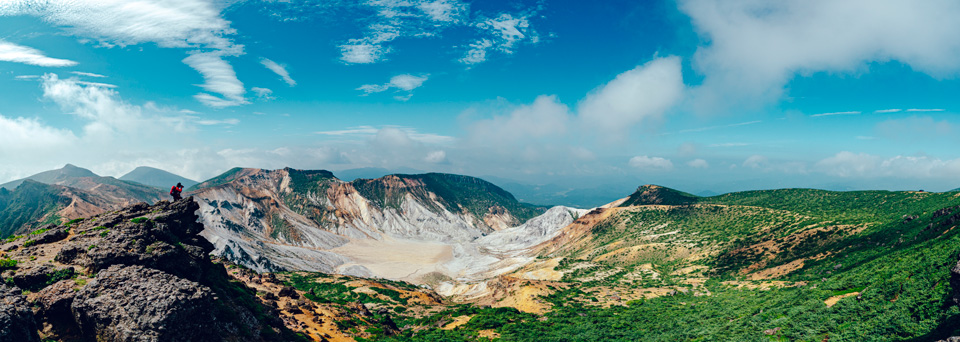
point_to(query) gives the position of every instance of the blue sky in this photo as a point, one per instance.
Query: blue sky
(695, 94)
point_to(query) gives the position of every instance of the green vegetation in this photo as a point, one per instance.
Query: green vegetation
(6, 264)
(137, 220)
(222, 179)
(455, 192)
(26, 205)
(893, 249)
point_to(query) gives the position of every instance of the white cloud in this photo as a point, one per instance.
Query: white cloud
(436, 157)
(754, 47)
(835, 113)
(219, 77)
(369, 132)
(88, 74)
(888, 110)
(10, 52)
(279, 70)
(229, 122)
(185, 24)
(362, 52)
(849, 164)
(925, 110)
(477, 52)
(406, 83)
(755, 161)
(395, 19)
(651, 163)
(546, 117)
(263, 93)
(701, 129)
(698, 164)
(645, 92)
(18, 135)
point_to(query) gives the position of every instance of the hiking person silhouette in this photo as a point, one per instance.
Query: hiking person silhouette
(175, 191)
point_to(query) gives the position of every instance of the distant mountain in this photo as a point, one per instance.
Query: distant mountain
(371, 173)
(53, 176)
(280, 219)
(658, 195)
(157, 178)
(117, 191)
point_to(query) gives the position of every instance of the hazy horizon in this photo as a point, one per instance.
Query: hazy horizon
(696, 95)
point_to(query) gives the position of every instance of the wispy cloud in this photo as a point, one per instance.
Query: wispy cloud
(701, 129)
(729, 144)
(183, 24)
(405, 83)
(263, 93)
(835, 113)
(279, 70)
(88, 74)
(888, 110)
(428, 18)
(219, 78)
(10, 52)
(925, 110)
(650, 163)
(369, 132)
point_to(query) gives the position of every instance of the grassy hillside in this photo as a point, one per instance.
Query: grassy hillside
(28, 203)
(222, 179)
(779, 265)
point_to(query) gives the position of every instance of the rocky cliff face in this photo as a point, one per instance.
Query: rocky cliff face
(137, 274)
(297, 220)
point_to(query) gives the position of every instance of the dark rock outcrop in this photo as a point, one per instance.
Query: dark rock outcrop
(16, 319)
(35, 277)
(143, 274)
(134, 303)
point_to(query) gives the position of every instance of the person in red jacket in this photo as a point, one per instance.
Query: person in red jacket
(175, 191)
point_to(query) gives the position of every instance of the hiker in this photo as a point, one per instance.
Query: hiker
(175, 191)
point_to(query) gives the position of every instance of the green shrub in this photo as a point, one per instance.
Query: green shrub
(6, 264)
(139, 220)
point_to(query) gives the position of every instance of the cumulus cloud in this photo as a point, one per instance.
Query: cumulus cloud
(849, 164)
(436, 157)
(185, 24)
(698, 164)
(651, 163)
(755, 47)
(10, 52)
(645, 92)
(279, 70)
(18, 135)
(546, 117)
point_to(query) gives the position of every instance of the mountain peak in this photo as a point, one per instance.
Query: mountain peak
(156, 177)
(652, 194)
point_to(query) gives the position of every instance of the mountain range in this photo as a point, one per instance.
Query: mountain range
(656, 264)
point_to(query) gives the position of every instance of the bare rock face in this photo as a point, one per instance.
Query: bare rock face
(134, 303)
(163, 237)
(143, 273)
(16, 319)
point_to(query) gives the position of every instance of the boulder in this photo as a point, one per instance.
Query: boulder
(17, 323)
(36, 277)
(134, 303)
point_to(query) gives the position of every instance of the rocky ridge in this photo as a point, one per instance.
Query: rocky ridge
(141, 273)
